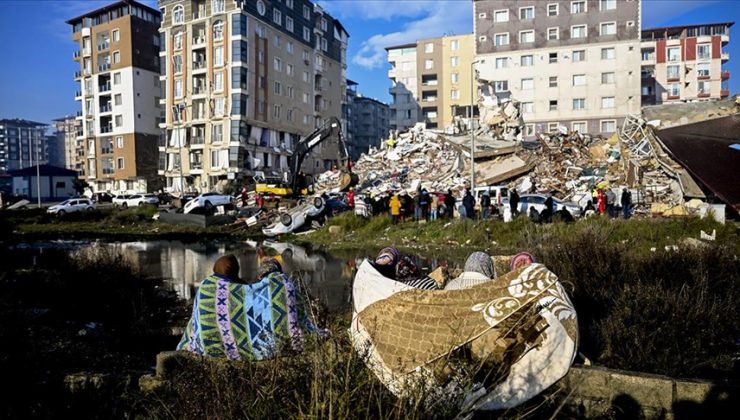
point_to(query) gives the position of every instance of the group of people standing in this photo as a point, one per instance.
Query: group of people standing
(606, 199)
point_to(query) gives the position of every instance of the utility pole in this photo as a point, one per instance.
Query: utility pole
(38, 175)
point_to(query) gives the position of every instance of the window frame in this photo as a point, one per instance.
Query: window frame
(580, 53)
(607, 2)
(583, 2)
(530, 60)
(582, 77)
(527, 8)
(178, 10)
(612, 49)
(613, 78)
(495, 15)
(526, 32)
(581, 101)
(602, 122)
(495, 39)
(527, 79)
(557, 9)
(603, 24)
(574, 27)
(613, 102)
(557, 33)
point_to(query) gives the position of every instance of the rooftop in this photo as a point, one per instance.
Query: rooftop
(397, 47)
(113, 6)
(17, 122)
(44, 170)
(667, 28)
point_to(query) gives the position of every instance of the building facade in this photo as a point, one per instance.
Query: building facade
(67, 130)
(371, 125)
(684, 63)
(243, 82)
(22, 144)
(570, 63)
(118, 93)
(55, 183)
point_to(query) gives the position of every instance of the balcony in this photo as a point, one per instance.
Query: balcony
(103, 67)
(106, 108)
(199, 40)
(725, 75)
(106, 150)
(703, 76)
(105, 87)
(724, 93)
(103, 46)
(79, 114)
(197, 140)
(78, 94)
(106, 128)
(673, 79)
(78, 74)
(77, 54)
(725, 56)
(673, 97)
(162, 140)
(199, 90)
(199, 65)
(429, 99)
(703, 95)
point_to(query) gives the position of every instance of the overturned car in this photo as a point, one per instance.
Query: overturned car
(313, 213)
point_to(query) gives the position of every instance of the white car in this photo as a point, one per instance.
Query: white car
(71, 206)
(208, 201)
(134, 200)
(537, 202)
(288, 221)
(120, 199)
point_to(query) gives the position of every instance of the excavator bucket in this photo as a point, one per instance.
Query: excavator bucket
(348, 179)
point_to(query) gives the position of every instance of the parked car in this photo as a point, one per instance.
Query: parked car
(537, 202)
(71, 205)
(135, 200)
(102, 197)
(120, 199)
(208, 202)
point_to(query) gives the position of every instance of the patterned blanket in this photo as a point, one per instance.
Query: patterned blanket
(246, 321)
(521, 324)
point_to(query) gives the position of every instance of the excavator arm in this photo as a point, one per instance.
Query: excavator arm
(331, 128)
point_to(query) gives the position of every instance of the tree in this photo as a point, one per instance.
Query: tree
(80, 185)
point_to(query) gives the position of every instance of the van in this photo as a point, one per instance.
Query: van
(496, 192)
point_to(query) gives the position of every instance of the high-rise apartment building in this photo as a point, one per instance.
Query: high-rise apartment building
(22, 144)
(119, 96)
(570, 63)
(684, 63)
(243, 81)
(67, 130)
(431, 81)
(370, 124)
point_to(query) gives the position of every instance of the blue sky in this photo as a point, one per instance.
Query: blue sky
(36, 73)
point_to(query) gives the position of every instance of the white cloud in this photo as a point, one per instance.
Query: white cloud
(658, 12)
(442, 17)
(376, 9)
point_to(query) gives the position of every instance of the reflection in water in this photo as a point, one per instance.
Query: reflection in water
(183, 265)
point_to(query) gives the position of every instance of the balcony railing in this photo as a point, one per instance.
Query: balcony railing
(103, 46)
(77, 54)
(724, 93)
(106, 150)
(78, 94)
(197, 65)
(106, 108)
(78, 74)
(197, 90)
(106, 129)
(199, 139)
(105, 87)
(79, 114)
(725, 75)
(104, 67)
(197, 40)
(703, 95)
(429, 99)
(196, 166)
(702, 76)
(79, 133)
(725, 56)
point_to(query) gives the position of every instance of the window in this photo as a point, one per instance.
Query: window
(672, 72)
(218, 81)
(119, 120)
(527, 84)
(277, 64)
(607, 102)
(455, 77)
(608, 28)
(278, 88)
(607, 4)
(578, 127)
(306, 12)
(305, 98)
(608, 126)
(177, 63)
(289, 69)
(553, 81)
(428, 64)
(178, 88)
(703, 52)
(553, 58)
(579, 55)
(324, 44)
(324, 26)
(527, 107)
(277, 17)
(579, 103)
(119, 163)
(217, 6)
(526, 61)
(289, 3)
(178, 15)
(526, 36)
(289, 47)
(501, 39)
(674, 90)
(481, 15)
(455, 94)
(554, 105)
(305, 76)
(116, 34)
(289, 23)
(529, 129)
(674, 54)
(291, 92)
(116, 57)
(306, 34)
(501, 85)
(578, 31)
(218, 56)
(579, 80)
(428, 47)
(577, 7)
(177, 42)
(482, 38)
(501, 16)
(454, 45)
(607, 78)
(552, 9)
(608, 53)
(702, 69)
(703, 88)
(454, 61)
(218, 30)
(215, 159)
(289, 115)
(218, 107)
(526, 13)
(276, 111)
(553, 34)
(501, 63)
(118, 99)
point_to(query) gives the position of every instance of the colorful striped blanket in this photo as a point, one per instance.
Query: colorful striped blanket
(246, 321)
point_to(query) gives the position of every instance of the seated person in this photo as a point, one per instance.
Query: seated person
(240, 321)
(479, 269)
(402, 269)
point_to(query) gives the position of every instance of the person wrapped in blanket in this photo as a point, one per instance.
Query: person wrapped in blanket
(247, 321)
(401, 268)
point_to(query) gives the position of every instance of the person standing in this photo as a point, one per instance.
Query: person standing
(549, 207)
(351, 198)
(245, 196)
(514, 202)
(434, 205)
(424, 204)
(626, 203)
(449, 202)
(395, 207)
(404, 200)
(611, 200)
(601, 201)
(469, 205)
(485, 205)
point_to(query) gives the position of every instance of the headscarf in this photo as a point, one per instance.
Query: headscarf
(269, 266)
(480, 262)
(227, 266)
(406, 269)
(388, 256)
(520, 260)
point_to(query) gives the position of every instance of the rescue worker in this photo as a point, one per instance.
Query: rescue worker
(351, 198)
(395, 206)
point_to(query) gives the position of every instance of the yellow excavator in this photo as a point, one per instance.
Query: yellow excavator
(331, 128)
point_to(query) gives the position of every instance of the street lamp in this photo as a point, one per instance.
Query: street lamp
(472, 125)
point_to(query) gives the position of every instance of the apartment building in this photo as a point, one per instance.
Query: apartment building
(570, 63)
(371, 124)
(431, 81)
(119, 96)
(348, 118)
(684, 63)
(22, 144)
(243, 82)
(68, 128)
